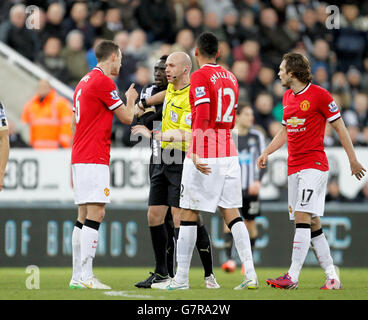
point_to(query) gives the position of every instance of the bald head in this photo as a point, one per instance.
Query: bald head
(178, 66)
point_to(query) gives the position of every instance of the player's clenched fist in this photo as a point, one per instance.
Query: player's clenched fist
(262, 161)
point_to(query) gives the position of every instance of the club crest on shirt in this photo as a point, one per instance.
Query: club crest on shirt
(333, 106)
(114, 95)
(173, 116)
(305, 105)
(200, 92)
(107, 192)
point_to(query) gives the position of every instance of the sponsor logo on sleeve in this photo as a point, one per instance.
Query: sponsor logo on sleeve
(333, 106)
(114, 95)
(200, 92)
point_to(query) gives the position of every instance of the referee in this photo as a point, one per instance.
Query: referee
(251, 143)
(169, 147)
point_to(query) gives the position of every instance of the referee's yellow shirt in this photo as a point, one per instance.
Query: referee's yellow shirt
(176, 114)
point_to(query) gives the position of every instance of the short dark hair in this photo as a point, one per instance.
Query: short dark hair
(164, 57)
(105, 49)
(207, 44)
(299, 66)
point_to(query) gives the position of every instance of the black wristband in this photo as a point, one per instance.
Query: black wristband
(144, 103)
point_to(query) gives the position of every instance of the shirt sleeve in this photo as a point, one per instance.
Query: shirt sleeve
(328, 107)
(200, 95)
(108, 94)
(3, 120)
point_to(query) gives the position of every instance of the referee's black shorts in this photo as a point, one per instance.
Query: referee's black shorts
(251, 207)
(165, 185)
(166, 182)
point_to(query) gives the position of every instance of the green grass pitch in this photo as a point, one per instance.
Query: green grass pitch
(53, 283)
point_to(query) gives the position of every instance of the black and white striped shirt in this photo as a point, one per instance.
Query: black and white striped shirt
(250, 147)
(3, 120)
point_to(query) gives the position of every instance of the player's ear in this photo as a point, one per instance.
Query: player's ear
(196, 52)
(217, 53)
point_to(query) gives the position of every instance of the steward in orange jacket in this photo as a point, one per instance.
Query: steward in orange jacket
(49, 117)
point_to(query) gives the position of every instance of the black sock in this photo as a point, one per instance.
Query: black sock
(204, 249)
(92, 224)
(228, 244)
(252, 243)
(159, 242)
(170, 251)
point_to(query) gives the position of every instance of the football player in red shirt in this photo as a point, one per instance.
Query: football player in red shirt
(211, 171)
(96, 100)
(307, 108)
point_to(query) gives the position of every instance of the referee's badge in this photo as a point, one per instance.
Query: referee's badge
(188, 119)
(173, 116)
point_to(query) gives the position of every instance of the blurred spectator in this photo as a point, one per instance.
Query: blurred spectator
(320, 75)
(277, 93)
(354, 77)
(78, 19)
(226, 58)
(49, 117)
(350, 40)
(360, 105)
(15, 139)
(249, 51)
(247, 28)
(128, 64)
(113, 23)
(263, 82)
(138, 46)
(54, 18)
(362, 195)
(91, 55)
(52, 61)
(75, 57)
(97, 24)
(142, 77)
(273, 129)
(312, 30)
(185, 42)
(193, 20)
(127, 9)
(329, 139)
(322, 55)
(213, 24)
(157, 19)
(274, 40)
(251, 5)
(220, 8)
(230, 27)
(15, 34)
(333, 191)
(240, 70)
(263, 111)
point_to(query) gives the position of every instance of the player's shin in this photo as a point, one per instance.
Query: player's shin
(89, 239)
(76, 248)
(185, 246)
(323, 254)
(242, 244)
(301, 244)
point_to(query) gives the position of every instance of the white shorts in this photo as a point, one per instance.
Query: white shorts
(91, 183)
(307, 192)
(222, 187)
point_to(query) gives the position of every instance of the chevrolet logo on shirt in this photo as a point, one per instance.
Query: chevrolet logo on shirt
(294, 121)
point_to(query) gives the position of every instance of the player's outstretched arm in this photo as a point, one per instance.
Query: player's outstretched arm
(4, 154)
(356, 168)
(126, 113)
(157, 98)
(277, 142)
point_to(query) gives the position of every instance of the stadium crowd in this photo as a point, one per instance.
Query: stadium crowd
(60, 36)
